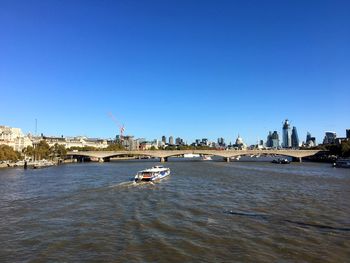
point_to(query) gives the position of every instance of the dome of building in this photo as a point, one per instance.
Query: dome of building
(239, 140)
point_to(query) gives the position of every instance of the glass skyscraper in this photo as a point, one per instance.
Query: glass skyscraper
(273, 140)
(286, 135)
(295, 138)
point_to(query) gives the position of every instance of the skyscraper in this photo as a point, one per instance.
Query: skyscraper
(179, 141)
(286, 135)
(171, 140)
(348, 133)
(295, 138)
(329, 137)
(275, 140)
(269, 140)
(310, 141)
(221, 142)
(164, 139)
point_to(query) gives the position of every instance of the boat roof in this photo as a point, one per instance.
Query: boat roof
(154, 169)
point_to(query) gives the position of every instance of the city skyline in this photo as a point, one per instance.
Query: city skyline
(175, 68)
(272, 139)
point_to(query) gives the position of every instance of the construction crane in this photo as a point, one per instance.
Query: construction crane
(121, 126)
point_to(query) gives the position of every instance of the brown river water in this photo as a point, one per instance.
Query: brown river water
(205, 211)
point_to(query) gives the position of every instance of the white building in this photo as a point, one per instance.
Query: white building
(14, 138)
(80, 141)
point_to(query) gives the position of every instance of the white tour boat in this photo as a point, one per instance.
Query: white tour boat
(206, 158)
(152, 174)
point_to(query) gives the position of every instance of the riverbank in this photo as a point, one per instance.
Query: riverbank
(57, 162)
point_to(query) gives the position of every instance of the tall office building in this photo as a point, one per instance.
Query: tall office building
(329, 137)
(275, 140)
(269, 140)
(221, 141)
(286, 135)
(348, 133)
(171, 140)
(295, 138)
(310, 141)
(179, 141)
(164, 139)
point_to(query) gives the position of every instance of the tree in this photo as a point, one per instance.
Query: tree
(58, 150)
(7, 153)
(115, 147)
(345, 149)
(28, 151)
(42, 150)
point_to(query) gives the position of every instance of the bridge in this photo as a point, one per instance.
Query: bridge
(163, 155)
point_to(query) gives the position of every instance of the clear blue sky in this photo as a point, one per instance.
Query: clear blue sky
(192, 69)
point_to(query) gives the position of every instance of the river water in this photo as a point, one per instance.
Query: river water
(206, 211)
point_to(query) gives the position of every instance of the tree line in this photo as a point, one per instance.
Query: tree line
(42, 150)
(7, 153)
(340, 150)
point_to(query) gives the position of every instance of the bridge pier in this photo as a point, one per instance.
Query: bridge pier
(297, 159)
(227, 159)
(163, 159)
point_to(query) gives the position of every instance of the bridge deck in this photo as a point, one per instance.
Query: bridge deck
(221, 153)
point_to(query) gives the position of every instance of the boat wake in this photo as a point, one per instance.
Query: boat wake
(130, 184)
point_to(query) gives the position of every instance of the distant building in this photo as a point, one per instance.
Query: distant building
(79, 141)
(52, 140)
(198, 142)
(205, 142)
(179, 141)
(164, 139)
(239, 145)
(329, 137)
(286, 135)
(310, 141)
(295, 138)
(144, 146)
(171, 140)
(269, 140)
(348, 133)
(221, 142)
(129, 142)
(273, 140)
(149, 145)
(14, 138)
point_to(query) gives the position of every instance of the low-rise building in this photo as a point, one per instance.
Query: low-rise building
(79, 141)
(14, 138)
